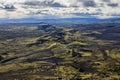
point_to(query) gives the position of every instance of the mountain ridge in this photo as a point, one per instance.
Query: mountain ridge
(60, 20)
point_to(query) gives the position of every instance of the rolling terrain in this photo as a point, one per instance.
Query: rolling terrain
(44, 51)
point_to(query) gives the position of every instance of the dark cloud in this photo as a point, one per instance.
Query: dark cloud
(8, 7)
(79, 14)
(86, 14)
(113, 4)
(42, 12)
(89, 4)
(32, 3)
(56, 5)
(52, 4)
(106, 0)
(44, 3)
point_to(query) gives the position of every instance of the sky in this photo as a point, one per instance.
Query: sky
(60, 8)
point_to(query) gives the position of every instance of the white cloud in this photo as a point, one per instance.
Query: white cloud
(59, 8)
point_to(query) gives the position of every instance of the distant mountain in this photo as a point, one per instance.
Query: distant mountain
(61, 20)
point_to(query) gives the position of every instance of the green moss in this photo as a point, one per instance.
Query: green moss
(66, 72)
(15, 67)
(86, 54)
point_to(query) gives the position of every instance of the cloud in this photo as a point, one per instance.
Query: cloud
(113, 4)
(106, 0)
(9, 7)
(32, 3)
(89, 4)
(59, 8)
(43, 3)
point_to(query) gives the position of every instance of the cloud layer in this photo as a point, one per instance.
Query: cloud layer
(59, 8)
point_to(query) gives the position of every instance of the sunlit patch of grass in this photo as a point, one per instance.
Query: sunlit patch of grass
(33, 28)
(41, 77)
(66, 72)
(77, 43)
(88, 38)
(115, 53)
(86, 54)
(115, 56)
(85, 75)
(100, 66)
(68, 29)
(16, 66)
(29, 40)
(53, 45)
(96, 32)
